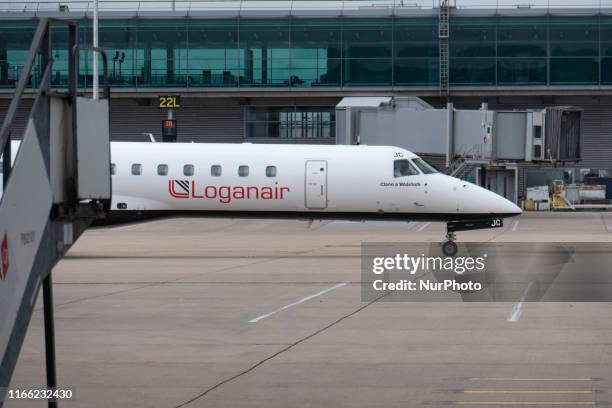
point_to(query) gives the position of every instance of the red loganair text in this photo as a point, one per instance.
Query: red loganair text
(225, 194)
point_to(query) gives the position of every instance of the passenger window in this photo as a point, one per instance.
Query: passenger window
(113, 169)
(215, 170)
(271, 171)
(403, 168)
(136, 169)
(162, 169)
(243, 171)
(188, 170)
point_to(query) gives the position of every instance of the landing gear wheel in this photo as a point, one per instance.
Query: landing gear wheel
(449, 248)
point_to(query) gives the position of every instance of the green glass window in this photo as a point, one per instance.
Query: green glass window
(319, 52)
(308, 67)
(574, 49)
(522, 50)
(367, 72)
(472, 50)
(370, 38)
(296, 122)
(15, 38)
(213, 55)
(162, 52)
(472, 41)
(416, 71)
(267, 52)
(606, 49)
(472, 33)
(574, 71)
(516, 71)
(472, 71)
(415, 41)
(316, 39)
(526, 32)
(606, 71)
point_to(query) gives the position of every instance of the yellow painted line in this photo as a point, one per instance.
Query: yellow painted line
(591, 403)
(528, 379)
(528, 391)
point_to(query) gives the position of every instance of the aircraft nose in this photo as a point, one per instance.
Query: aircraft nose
(476, 199)
(505, 206)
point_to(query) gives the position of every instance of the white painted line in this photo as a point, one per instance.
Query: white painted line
(422, 227)
(527, 379)
(516, 223)
(307, 298)
(517, 310)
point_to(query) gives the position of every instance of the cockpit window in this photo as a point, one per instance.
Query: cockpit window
(403, 168)
(425, 167)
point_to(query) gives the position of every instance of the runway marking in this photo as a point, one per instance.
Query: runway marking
(422, 227)
(528, 379)
(523, 403)
(528, 391)
(517, 310)
(307, 298)
(515, 225)
(411, 224)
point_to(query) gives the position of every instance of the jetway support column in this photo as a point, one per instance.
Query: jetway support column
(450, 142)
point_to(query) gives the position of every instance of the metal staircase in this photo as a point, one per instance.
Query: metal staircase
(443, 35)
(465, 160)
(58, 183)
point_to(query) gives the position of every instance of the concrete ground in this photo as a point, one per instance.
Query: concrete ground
(243, 313)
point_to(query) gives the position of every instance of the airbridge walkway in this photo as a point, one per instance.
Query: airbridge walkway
(58, 182)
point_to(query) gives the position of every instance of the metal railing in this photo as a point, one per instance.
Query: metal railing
(86, 6)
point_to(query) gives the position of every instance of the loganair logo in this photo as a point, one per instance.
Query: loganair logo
(225, 194)
(4, 265)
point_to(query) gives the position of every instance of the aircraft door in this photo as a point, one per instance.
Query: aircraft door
(316, 184)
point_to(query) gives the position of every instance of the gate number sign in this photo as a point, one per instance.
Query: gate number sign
(170, 101)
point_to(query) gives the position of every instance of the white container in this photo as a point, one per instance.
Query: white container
(592, 192)
(539, 193)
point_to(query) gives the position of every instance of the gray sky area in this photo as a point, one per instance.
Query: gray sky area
(78, 5)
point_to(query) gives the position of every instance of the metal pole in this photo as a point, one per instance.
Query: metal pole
(49, 337)
(95, 53)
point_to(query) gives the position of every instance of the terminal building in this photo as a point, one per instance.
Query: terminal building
(274, 71)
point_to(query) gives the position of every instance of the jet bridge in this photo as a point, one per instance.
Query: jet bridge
(57, 184)
(494, 142)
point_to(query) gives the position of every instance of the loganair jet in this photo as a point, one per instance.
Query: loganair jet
(295, 181)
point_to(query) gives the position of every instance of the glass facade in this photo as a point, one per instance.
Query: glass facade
(296, 122)
(343, 52)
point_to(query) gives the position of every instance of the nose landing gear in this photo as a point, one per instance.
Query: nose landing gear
(449, 248)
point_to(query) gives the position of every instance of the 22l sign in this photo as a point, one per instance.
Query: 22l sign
(170, 101)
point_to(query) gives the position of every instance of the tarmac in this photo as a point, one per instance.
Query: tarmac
(254, 313)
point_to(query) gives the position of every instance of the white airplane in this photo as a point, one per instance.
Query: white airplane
(296, 181)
